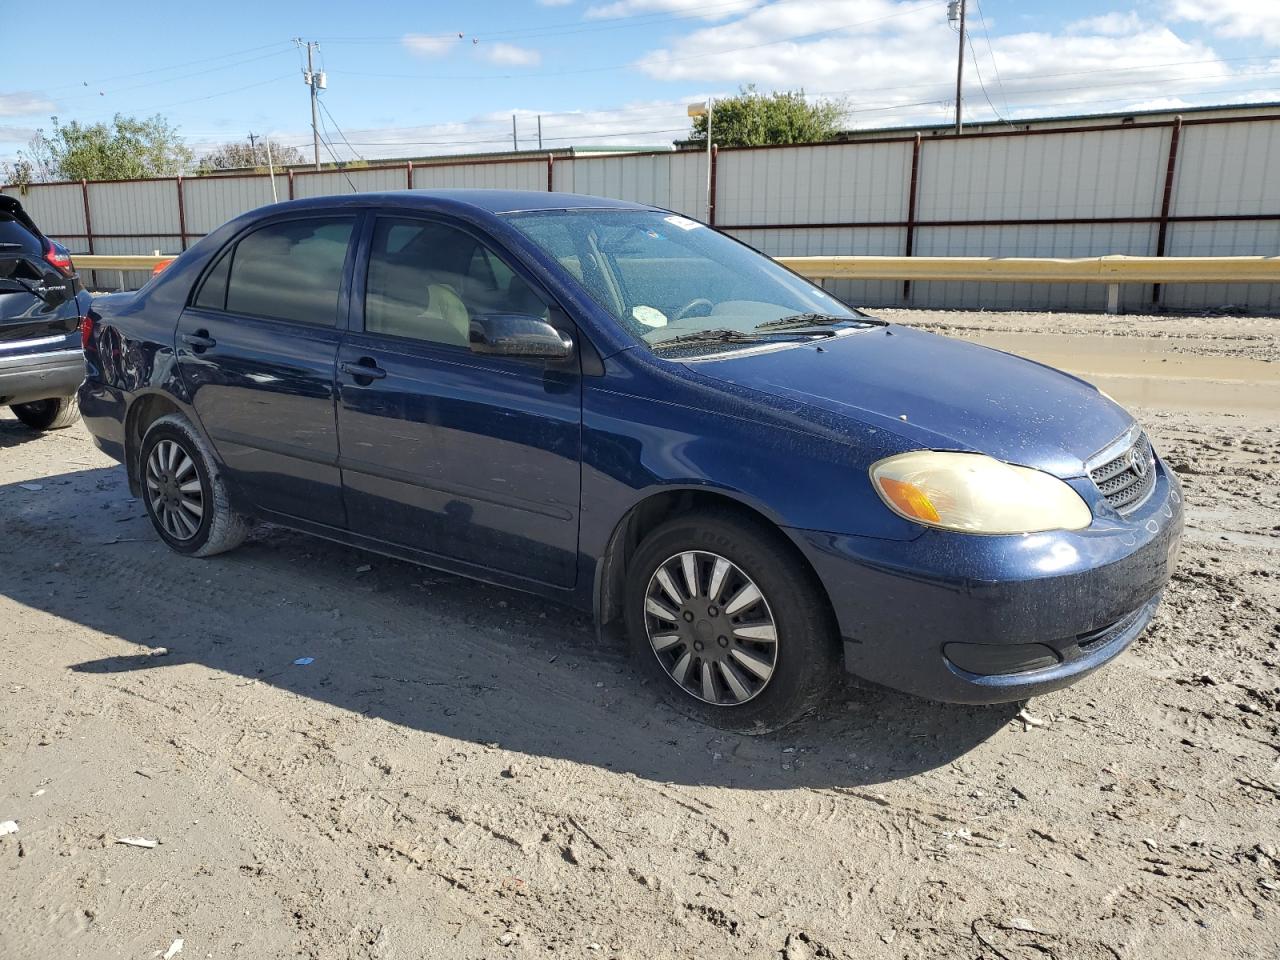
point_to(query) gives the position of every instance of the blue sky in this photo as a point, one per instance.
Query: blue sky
(422, 78)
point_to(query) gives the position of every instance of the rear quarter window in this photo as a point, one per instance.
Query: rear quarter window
(213, 291)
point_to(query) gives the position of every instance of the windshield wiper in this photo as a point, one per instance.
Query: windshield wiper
(718, 335)
(818, 320)
(725, 335)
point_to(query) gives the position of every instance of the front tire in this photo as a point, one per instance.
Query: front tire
(724, 615)
(184, 492)
(55, 413)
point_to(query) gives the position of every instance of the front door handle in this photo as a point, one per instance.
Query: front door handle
(365, 369)
(200, 340)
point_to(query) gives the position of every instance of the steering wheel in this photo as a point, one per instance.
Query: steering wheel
(685, 310)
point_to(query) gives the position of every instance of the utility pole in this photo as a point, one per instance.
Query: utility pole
(515, 144)
(706, 110)
(539, 131)
(271, 170)
(956, 8)
(317, 82)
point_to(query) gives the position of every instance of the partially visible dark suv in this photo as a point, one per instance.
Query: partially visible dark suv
(41, 303)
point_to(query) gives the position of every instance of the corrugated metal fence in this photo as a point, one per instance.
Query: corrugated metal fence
(1198, 187)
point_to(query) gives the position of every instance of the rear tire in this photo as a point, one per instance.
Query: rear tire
(52, 414)
(740, 636)
(184, 492)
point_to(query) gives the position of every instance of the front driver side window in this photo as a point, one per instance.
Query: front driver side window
(427, 280)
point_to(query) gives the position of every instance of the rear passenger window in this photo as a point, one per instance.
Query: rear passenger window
(291, 271)
(213, 292)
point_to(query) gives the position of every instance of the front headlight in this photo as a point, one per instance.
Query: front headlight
(974, 493)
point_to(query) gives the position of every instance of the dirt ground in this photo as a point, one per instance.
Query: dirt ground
(462, 772)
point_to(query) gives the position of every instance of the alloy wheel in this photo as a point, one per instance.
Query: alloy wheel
(711, 628)
(174, 490)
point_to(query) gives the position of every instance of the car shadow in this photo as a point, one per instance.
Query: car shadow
(428, 651)
(15, 433)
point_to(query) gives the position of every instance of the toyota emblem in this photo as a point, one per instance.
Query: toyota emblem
(1139, 463)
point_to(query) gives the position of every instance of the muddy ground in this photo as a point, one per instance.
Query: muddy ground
(462, 772)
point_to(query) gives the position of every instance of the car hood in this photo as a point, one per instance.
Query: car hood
(939, 392)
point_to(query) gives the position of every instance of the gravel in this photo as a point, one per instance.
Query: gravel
(464, 772)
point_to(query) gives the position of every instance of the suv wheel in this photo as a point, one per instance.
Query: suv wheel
(721, 612)
(185, 496)
(53, 414)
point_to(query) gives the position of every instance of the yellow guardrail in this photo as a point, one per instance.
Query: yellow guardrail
(1111, 270)
(94, 261)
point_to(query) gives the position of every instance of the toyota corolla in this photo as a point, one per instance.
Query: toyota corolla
(620, 408)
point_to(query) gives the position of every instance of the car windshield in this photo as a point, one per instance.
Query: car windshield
(677, 285)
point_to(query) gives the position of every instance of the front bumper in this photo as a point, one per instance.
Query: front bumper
(55, 372)
(1051, 608)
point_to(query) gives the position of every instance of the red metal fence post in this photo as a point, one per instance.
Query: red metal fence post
(290, 184)
(182, 217)
(408, 174)
(911, 211)
(88, 220)
(551, 172)
(1169, 170)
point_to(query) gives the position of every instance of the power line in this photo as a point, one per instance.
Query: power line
(353, 150)
(186, 76)
(341, 167)
(221, 93)
(982, 86)
(994, 66)
(185, 65)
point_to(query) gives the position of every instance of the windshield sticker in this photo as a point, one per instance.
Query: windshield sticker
(684, 223)
(649, 316)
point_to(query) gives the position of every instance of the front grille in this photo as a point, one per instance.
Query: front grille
(1127, 478)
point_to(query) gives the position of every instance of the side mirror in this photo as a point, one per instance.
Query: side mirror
(518, 335)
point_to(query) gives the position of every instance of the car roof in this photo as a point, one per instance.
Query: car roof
(488, 201)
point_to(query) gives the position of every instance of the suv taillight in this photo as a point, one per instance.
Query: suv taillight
(58, 257)
(86, 331)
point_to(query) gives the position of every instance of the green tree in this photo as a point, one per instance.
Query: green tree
(241, 155)
(125, 149)
(753, 119)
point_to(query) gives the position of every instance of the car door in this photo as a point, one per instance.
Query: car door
(256, 348)
(461, 455)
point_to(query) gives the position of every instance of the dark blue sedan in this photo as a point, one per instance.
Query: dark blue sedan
(620, 408)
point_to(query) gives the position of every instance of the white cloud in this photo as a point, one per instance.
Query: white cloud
(24, 103)
(508, 54)
(716, 10)
(895, 62)
(1237, 19)
(1108, 24)
(426, 45)
(555, 3)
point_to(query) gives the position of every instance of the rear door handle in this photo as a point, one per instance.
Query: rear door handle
(365, 369)
(200, 340)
